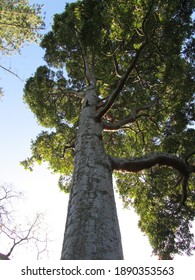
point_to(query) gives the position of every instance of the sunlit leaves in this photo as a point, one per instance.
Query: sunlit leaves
(48, 97)
(56, 148)
(64, 183)
(19, 22)
(155, 196)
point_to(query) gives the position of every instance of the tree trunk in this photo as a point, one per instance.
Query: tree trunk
(92, 230)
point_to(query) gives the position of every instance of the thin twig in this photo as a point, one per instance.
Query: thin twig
(4, 68)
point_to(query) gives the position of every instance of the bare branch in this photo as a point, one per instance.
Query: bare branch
(25, 237)
(8, 194)
(37, 244)
(6, 208)
(11, 72)
(13, 232)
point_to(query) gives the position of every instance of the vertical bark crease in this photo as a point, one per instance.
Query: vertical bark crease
(92, 229)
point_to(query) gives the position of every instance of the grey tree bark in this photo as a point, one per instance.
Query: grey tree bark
(92, 230)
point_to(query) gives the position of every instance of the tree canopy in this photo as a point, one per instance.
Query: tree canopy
(20, 22)
(139, 56)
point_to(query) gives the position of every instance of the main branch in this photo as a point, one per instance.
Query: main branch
(139, 164)
(131, 118)
(88, 72)
(113, 96)
(79, 94)
(148, 161)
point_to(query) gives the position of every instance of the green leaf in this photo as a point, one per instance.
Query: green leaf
(20, 22)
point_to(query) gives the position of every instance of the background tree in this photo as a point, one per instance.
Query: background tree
(13, 233)
(20, 23)
(126, 106)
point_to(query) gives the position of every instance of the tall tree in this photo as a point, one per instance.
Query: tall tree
(126, 107)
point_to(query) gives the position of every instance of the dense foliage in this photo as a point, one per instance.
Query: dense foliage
(19, 22)
(141, 55)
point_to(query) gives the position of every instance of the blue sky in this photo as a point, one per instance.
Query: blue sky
(18, 127)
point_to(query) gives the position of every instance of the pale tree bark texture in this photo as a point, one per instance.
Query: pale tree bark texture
(92, 229)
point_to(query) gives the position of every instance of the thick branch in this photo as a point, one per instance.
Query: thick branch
(129, 119)
(21, 239)
(121, 84)
(88, 72)
(120, 124)
(146, 162)
(116, 66)
(139, 164)
(79, 94)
